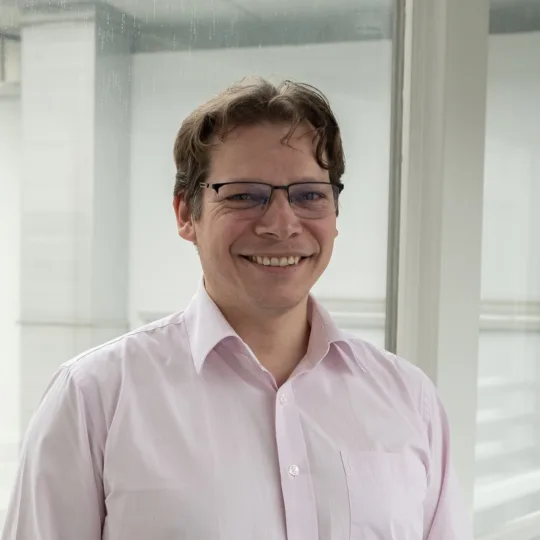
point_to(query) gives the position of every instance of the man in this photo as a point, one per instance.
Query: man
(249, 415)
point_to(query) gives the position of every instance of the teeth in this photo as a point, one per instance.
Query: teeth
(275, 261)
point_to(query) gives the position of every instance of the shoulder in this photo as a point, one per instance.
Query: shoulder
(376, 359)
(95, 379)
(85, 393)
(399, 377)
(148, 344)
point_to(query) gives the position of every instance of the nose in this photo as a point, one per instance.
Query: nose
(279, 221)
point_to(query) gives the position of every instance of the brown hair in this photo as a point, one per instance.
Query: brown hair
(252, 101)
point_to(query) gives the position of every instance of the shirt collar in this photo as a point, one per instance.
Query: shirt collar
(207, 327)
(324, 333)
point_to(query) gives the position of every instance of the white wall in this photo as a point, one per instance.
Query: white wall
(511, 249)
(167, 86)
(507, 480)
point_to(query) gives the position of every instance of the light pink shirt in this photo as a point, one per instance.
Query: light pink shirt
(176, 432)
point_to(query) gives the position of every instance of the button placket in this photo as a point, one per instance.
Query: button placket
(296, 483)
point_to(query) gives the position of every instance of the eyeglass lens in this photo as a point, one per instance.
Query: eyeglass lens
(307, 199)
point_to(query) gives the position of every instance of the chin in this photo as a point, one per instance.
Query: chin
(278, 300)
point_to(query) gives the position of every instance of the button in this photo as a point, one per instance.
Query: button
(283, 399)
(294, 470)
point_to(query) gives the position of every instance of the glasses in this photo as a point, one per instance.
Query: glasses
(310, 200)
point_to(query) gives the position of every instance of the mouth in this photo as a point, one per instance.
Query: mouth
(277, 262)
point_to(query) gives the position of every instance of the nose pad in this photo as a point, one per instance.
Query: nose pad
(279, 219)
(279, 197)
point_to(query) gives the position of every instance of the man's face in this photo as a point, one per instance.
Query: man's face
(230, 244)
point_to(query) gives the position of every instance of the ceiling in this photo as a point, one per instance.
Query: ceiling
(178, 11)
(171, 12)
(365, 17)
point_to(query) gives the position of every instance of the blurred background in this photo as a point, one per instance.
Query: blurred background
(91, 97)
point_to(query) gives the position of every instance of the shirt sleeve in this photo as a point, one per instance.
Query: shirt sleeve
(58, 493)
(445, 515)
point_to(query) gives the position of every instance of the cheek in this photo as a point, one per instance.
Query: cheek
(325, 234)
(219, 236)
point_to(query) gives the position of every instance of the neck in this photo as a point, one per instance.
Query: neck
(278, 340)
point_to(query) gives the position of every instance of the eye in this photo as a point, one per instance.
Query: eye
(248, 197)
(240, 197)
(312, 196)
(309, 196)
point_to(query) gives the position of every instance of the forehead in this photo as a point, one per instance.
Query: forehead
(259, 152)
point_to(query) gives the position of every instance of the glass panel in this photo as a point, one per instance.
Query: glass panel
(508, 439)
(105, 88)
(10, 149)
(175, 69)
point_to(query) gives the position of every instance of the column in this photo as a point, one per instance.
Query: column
(75, 97)
(442, 207)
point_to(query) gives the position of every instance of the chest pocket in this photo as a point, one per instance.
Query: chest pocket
(386, 495)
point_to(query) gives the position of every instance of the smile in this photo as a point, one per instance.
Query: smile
(291, 260)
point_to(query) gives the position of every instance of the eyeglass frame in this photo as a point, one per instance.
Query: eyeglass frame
(216, 187)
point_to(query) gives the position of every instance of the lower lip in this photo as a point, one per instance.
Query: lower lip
(277, 269)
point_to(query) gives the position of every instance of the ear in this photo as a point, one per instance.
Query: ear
(184, 220)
